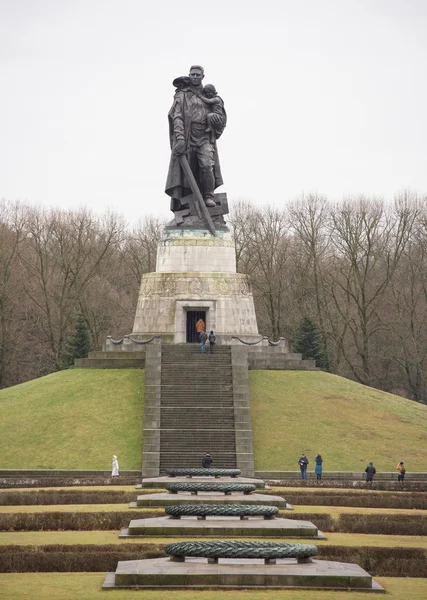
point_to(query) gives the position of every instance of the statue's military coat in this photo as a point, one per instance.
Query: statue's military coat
(180, 121)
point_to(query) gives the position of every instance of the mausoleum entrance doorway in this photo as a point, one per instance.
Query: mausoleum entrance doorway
(192, 317)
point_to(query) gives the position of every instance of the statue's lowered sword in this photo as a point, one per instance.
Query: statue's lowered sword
(202, 209)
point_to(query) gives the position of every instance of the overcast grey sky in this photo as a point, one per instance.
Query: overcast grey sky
(324, 96)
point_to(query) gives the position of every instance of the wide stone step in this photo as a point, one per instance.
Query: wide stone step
(221, 460)
(193, 404)
(210, 367)
(205, 412)
(183, 435)
(195, 385)
(199, 425)
(214, 442)
(199, 390)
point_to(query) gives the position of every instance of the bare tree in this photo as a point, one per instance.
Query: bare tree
(12, 237)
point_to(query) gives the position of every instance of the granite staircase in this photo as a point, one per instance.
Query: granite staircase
(196, 407)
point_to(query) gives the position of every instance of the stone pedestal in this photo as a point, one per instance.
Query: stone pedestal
(195, 271)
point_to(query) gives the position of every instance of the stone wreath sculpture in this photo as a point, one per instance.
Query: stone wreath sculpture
(221, 510)
(202, 472)
(225, 488)
(269, 551)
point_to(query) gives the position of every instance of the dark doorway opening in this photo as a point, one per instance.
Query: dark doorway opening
(192, 317)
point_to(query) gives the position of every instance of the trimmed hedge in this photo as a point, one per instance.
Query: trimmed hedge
(382, 524)
(72, 521)
(380, 562)
(317, 498)
(365, 499)
(351, 484)
(49, 497)
(383, 562)
(322, 521)
(29, 482)
(103, 521)
(64, 558)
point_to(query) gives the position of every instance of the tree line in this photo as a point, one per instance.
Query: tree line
(356, 268)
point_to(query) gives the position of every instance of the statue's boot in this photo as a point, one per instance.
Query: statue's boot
(208, 184)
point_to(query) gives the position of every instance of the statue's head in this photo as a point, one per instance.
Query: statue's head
(209, 90)
(196, 75)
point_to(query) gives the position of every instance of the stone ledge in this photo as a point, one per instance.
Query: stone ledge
(196, 573)
(164, 499)
(221, 526)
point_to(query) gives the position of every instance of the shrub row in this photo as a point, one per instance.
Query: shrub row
(383, 562)
(64, 558)
(385, 524)
(104, 521)
(48, 497)
(323, 521)
(29, 482)
(351, 484)
(380, 562)
(70, 521)
(366, 499)
(382, 524)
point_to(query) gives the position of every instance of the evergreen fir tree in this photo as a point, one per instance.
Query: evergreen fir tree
(78, 345)
(308, 342)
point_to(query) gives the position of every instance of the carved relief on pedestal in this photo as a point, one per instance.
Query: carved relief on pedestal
(172, 284)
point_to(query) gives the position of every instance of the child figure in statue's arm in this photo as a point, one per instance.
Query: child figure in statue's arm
(210, 96)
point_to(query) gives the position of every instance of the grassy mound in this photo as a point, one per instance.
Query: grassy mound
(74, 419)
(347, 423)
(77, 419)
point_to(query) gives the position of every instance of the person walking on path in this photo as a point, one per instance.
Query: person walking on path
(401, 471)
(200, 326)
(115, 467)
(318, 467)
(303, 463)
(370, 472)
(203, 337)
(212, 341)
(207, 460)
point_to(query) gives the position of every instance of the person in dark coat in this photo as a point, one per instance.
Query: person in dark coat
(370, 472)
(207, 460)
(318, 467)
(212, 342)
(303, 462)
(401, 471)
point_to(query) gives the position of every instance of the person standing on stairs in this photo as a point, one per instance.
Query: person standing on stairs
(203, 337)
(200, 326)
(207, 460)
(212, 342)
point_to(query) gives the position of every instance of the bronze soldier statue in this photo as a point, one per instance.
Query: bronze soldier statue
(196, 120)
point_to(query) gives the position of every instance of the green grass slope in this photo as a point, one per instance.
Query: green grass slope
(77, 419)
(74, 419)
(347, 423)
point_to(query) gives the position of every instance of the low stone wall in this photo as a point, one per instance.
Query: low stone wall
(339, 475)
(34, 473)
(277, 358)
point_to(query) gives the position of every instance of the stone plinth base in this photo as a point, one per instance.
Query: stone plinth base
(196, 573)
(222, 526)
(165, 499)
(161, 482)
(195, 272)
